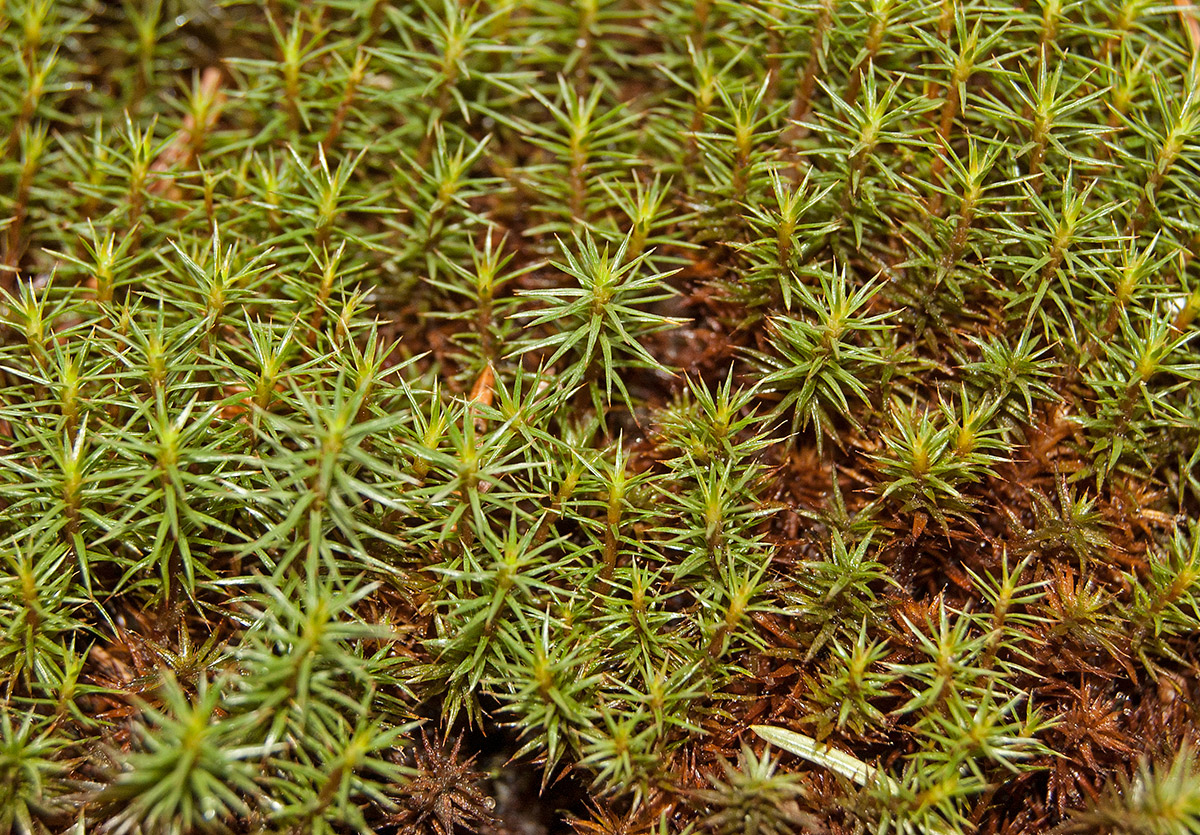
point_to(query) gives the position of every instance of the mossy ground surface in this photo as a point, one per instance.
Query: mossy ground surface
(437, 417)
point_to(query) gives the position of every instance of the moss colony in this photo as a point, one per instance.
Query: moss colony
(434, 417)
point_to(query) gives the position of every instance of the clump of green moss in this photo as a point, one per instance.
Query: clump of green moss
(590, 382)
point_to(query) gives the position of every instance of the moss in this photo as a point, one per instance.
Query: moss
(589, 383)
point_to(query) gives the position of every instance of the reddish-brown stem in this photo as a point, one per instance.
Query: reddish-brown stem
(357, 72)
(803, 100)
(874, 42)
